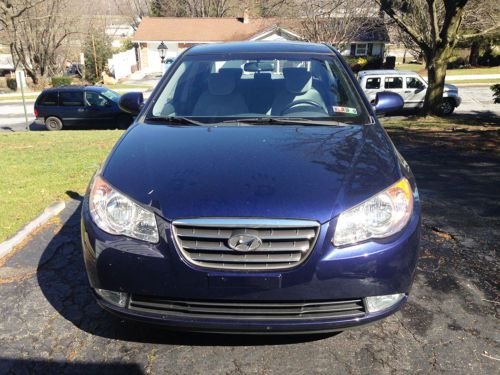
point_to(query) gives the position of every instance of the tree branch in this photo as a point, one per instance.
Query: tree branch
(489, 30)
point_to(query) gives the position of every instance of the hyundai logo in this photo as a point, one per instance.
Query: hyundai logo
(244, 241)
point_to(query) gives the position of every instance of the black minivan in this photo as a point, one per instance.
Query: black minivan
(64, 106)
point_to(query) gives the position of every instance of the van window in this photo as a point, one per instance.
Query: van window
(372, 83)
(71, 98)
(414, 83)
(49, 98)
(394, 83)
(93, 99)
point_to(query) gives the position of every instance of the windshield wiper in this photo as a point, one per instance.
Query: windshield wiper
(285, 121)
(174, 120)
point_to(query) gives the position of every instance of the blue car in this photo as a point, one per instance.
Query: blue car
(72, 105)
(256, 192)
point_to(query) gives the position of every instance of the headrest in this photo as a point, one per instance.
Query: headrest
(236, 72)
(262, 77)
(297, 80)
(222, 83)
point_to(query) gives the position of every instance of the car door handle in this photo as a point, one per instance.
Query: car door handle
(80, 110)
(408, 92)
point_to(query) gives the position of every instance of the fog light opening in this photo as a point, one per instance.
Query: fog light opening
(379, 303)
(115, 298)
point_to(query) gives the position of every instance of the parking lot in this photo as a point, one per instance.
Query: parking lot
(51, 324)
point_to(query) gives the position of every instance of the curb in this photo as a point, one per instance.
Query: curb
(8, 245)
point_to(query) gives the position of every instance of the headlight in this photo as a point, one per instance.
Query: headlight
(382, 215)
(116, 214)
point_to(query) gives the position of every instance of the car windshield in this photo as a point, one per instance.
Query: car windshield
(111, 95)
(222, 88)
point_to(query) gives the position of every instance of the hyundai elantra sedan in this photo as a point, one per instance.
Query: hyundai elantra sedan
(256, 192)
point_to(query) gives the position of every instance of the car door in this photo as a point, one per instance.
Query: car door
(394, 84)
(99, 110)
(415, 90)
(71, 108)
(371, 87)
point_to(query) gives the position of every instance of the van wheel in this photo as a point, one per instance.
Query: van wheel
(53, 123)
(446, 107)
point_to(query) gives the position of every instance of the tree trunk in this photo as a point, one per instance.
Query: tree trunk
(474, 52)
(436, 70)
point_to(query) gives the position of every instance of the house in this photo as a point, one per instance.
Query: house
(180, 33)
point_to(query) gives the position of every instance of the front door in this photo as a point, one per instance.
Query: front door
(99, 110)
(414, 92)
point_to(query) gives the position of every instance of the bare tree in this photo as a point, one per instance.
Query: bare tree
(35, 31)
(134, 10)
(192, 8)
(436, 27)
(480, 15)
(273, 8)
(337, 22)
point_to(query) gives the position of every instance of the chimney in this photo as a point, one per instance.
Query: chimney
(246, 16)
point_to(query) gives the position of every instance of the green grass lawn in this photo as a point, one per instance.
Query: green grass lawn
(485, 81)
(119, 86)
(411, 67)
(462, 72)
(38, 168)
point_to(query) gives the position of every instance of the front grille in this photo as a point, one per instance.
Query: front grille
(284, 243)
(249, 310)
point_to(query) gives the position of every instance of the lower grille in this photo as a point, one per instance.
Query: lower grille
(249, 310)
(212, 242)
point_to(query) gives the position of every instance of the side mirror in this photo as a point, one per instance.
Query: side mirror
(386, 102)
(131, 102)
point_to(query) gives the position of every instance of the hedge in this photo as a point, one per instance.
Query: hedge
(61, 81)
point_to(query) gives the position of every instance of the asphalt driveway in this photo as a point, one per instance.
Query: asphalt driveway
(50, 323)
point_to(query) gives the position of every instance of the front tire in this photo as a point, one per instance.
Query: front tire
(53, 123)
(446, 107)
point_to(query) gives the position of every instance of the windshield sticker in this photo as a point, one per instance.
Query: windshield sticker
(351, 111)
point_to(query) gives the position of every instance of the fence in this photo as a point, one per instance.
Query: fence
(121, 64)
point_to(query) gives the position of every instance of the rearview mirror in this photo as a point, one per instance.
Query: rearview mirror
(131, 102)
(258, 66)
(387, 102)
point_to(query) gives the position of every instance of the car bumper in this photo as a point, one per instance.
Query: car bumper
(329, 274)
(39, 121)
(245, 326)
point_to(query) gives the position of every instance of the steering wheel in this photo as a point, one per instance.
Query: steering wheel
(306, 102)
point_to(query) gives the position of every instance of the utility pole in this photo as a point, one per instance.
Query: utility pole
(95, 58)
(21, 80)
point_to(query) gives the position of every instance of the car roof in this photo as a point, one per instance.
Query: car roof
(387, 72)
(260, 47)
(75, 88)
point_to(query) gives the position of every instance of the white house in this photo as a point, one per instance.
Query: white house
(180, 33)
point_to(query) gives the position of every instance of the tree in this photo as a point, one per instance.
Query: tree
(436, 27)
(480, 15)
(337, 22)
(97, 50)
(191, 8)
(35, 31)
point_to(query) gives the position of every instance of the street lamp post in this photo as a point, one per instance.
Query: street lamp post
(162, 51)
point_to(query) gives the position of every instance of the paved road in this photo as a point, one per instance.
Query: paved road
(476, 100)
(50, 323)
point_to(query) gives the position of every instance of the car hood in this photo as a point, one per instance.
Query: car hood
(308, 172)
